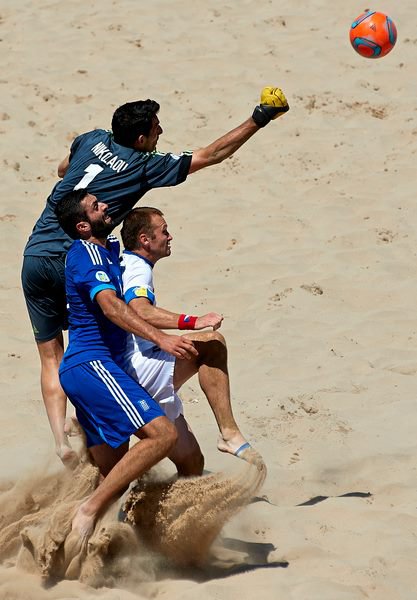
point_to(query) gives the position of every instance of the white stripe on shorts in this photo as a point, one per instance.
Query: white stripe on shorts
(118, 394)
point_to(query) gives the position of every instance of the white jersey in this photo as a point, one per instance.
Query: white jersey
(150, 366)
(137, 274)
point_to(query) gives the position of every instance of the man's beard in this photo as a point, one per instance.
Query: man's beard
(101, 230)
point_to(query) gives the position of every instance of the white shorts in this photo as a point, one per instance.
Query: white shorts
(154, 370)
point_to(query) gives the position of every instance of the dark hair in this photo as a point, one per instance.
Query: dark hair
(69, 212)
(132, 120)
(138, 221)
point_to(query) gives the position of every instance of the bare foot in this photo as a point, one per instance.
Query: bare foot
(239, 447)
(231, 444)
(75, 546)
(83, 522)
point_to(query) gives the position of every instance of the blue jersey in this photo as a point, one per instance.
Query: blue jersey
(117, 175)
(89, 269)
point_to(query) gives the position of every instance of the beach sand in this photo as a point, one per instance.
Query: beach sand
(305, 240)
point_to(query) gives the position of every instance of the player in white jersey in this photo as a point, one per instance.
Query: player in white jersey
(146, 240)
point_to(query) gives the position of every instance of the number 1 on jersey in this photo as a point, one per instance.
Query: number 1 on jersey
(90, 172)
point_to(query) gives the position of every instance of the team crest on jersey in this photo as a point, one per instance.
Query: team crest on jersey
(102, 276)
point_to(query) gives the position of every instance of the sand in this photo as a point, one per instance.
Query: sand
(160, 522)
(304, 240)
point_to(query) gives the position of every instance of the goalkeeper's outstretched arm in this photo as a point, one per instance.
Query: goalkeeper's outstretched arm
(272, 105)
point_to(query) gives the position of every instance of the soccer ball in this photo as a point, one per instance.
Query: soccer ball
(373, 34)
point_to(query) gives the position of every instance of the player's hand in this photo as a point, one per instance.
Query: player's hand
(212, 319)
(273, 104)
(178, 346)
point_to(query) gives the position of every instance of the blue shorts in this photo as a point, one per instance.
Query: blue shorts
(110, 405)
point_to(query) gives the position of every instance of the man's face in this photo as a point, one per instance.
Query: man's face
(96, 215)
(150, 141)
(159, 242)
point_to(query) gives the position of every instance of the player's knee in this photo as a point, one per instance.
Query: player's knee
(51, 352)
(214, 348)
(162, 431)
(217, 337)
(197, 462)
(191, 464)
(169, 436)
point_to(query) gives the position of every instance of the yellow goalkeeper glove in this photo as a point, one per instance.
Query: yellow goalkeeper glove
(273, 104)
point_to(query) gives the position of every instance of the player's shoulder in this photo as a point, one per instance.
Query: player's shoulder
(135, 268)
(74, 250)
(93, 134)
(127, 257)
(131, 260)
(90, 139)
(75, 256)
(83, 252)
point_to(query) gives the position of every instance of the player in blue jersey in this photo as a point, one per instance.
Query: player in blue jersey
(146, 240)
(110, 405)
(119, 166)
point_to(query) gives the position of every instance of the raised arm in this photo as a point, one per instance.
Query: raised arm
(272, 105)
(224, 147)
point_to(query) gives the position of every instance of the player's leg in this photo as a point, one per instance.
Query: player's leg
(54, 398)
(155, 372)
(211, 366)
(44, 289)
(111, 407)
(186, 454)
(105, 457)
(157, 439)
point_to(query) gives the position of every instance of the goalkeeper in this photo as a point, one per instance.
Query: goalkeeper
(119, 167)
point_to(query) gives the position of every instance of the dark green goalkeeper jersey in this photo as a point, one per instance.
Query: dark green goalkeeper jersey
(117, 175)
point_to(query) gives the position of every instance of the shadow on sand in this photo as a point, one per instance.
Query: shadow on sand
(316, 499)
(256, 556)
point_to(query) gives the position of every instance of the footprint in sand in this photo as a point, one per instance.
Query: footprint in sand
(314, 289)
(385, 235)
(276, 298)
(295, 458)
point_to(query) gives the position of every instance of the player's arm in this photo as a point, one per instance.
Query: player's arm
(272, 105)
(126, 318)
(165, 319)
(63, 167)
(223, 147)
